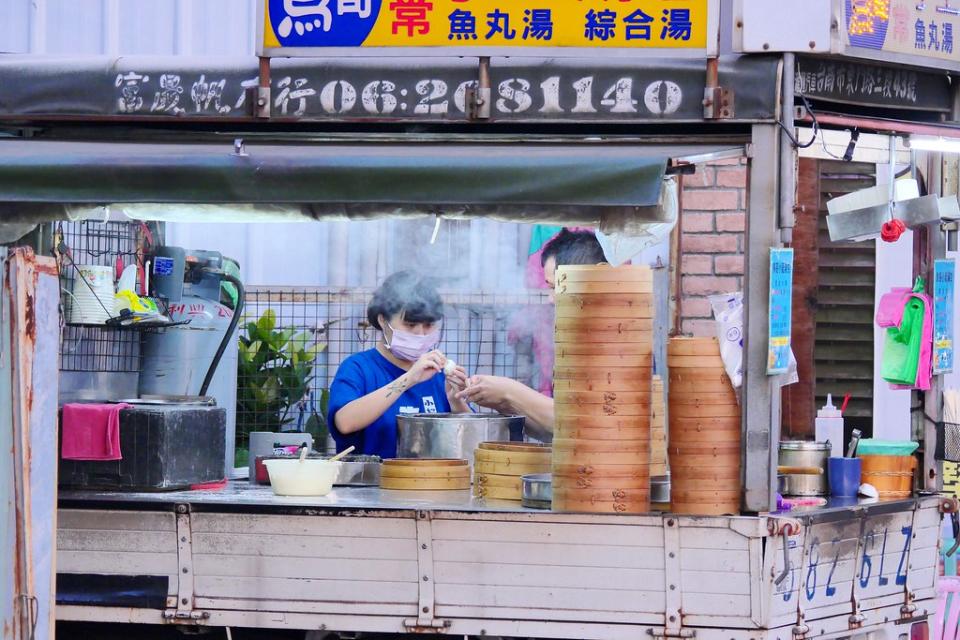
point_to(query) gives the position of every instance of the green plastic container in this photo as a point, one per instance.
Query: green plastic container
(873, 447)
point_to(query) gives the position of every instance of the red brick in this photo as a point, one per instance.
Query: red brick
(732, 177)
(700, 328)
(731, 222)
(704, 177)
(711, 200)
(729, 265)
(696, 265)
(709, 243)
(697, 222)
(708, 285)
(696, 308)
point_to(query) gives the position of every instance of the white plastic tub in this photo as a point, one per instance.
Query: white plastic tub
(302, 477)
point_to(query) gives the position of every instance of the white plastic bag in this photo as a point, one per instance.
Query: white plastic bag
(728, 312)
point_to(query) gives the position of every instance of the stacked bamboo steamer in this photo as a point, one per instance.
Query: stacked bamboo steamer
(602, 382)
(425, 474)
(704, 449)
(499, 466)
(658, 429)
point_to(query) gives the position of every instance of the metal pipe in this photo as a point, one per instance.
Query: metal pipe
(883, 126)
(788, 162)
(234, 321)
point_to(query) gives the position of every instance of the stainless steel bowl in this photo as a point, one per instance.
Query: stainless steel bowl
(537, 491)
(452, 435)
(660, 489)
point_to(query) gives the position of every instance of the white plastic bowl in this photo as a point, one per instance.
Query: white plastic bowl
(302, 477)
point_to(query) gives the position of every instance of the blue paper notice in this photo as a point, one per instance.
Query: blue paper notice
(781, 310)
(944, 280)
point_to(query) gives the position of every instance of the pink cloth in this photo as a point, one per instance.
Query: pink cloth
(91, 431)
(890, 309)
(925, 364)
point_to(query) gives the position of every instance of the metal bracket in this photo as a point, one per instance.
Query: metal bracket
(184, 613)
(673, 623)
(478, 98)
(261, 103)
(856, 619)
(908, 608)
(663, 633)
(718, 103)
(425, 622)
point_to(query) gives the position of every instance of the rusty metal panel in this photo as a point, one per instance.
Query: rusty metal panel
(32, 293)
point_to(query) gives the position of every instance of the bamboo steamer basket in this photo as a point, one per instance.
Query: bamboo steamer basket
(602, 378)
(600, 503)
(563, 445)
(604, 482)
(597, 364)
(640, 411)
(683, 395)
(497, 487)
(892, 476)
(683, 411)
(424, 468)
(585, 433)
(425, 484)
(497, 493)
(594, 336)
(628, 458)
(576, 348)
(604, 287)
(514, 469)
(600, 471)
(710, 382)
(703, 364)
(637, 386)
(604, 273)
(509, 458)
(625, 423)
(601, 397)
(643, 327)
(708, 348)
(627, 305)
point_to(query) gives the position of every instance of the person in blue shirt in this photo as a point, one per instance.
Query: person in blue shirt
(402, 374)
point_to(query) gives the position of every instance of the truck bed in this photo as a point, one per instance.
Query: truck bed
(362, 559)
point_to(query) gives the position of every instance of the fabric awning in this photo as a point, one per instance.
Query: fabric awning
(565, 183)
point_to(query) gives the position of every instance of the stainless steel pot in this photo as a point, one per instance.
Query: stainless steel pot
(799, 453)
(660, 489)
(537, 491)
(452, 435)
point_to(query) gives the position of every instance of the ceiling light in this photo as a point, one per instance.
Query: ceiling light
(935, 143)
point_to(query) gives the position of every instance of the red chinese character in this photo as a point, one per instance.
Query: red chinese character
(412, 16)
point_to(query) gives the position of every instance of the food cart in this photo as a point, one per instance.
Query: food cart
(561, 138)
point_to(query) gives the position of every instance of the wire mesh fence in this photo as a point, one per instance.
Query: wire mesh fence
(487, 333)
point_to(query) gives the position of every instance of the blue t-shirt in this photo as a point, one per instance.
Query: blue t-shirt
(365, 372)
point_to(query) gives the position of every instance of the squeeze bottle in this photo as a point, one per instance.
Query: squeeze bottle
(829, 426)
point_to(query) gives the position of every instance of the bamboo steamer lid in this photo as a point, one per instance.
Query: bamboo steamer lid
(626, 306)
(425, 468)
(642, 326)
(601, 470)
(492, 480)
(704, 411)
(518, 447)
(424, 484)
(513, 469)
(601, 397)
(512, 457)
(637, 348)
(682, 346)
(604, 272)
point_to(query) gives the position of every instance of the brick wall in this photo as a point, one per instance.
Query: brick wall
(714, 214)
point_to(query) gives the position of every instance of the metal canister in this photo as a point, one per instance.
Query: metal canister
(799, 454)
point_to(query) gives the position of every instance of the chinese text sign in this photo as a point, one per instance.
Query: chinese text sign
(781, 310)
(624, 24)
(944, 280)
(925, 29)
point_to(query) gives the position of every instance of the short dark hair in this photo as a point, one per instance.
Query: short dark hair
(409, 293)
(573, 247)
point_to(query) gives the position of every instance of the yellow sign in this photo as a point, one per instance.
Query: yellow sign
(906, 27)
(305, 27)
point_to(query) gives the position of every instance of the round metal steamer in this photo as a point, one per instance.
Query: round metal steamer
(499, 466)
(603, 393)
(425, 475)
(704, 443)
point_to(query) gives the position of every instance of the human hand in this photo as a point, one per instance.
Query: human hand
(427, 366)
(456, 380)
(487, 391)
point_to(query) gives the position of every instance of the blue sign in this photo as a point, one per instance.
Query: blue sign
(163, 266)
(781, 310)
(944, 290)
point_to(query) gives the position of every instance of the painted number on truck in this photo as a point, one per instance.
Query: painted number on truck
(869, 561)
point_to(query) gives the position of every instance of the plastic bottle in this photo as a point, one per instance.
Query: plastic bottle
(829, 427)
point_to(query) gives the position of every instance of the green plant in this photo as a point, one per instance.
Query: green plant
(274, 372)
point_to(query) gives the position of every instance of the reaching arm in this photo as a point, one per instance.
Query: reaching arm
(509, 396)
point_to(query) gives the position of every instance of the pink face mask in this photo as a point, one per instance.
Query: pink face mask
(410, 346)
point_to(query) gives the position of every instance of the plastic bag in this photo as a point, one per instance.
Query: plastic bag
(728, 312)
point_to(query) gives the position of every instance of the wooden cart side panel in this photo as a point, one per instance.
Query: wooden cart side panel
(321, 564)
(540, 571)
(717, 576)
(118, 543)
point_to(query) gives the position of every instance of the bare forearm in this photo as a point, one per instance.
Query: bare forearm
(537, 407)
(363, 412)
